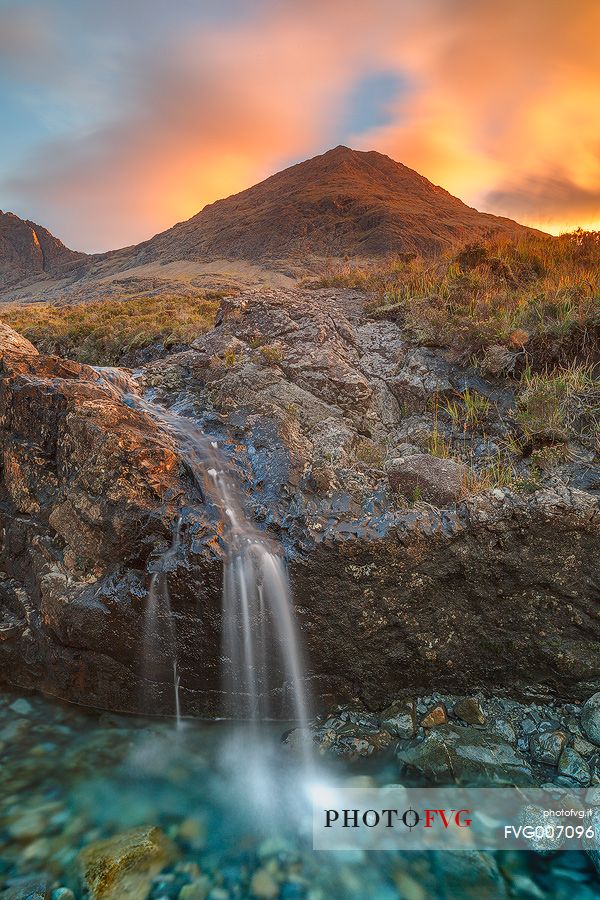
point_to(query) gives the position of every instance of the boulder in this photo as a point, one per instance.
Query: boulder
(547, 746)
(465, 755)
(430, 478)
(125, 864)
(590, 718)
(12, 342)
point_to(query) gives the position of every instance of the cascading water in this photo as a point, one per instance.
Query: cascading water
(261, 650)
(158, 621)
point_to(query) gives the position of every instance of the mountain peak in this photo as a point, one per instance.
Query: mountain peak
(343, 202)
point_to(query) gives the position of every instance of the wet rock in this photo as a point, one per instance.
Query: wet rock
(436, 716)
(124, 865)
(592, 844)
(466, 755)
(91, 490)
(594, 764)
(470, 711)
(572, 765)
(504, 729)
(351, 741)
(63, 893)
(399, 719)
(590, 718)
(547, 746)
(585, 748)
(429, 478)
(533, 817)
(592, 796)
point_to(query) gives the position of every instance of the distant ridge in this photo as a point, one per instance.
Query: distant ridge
(342, 203)
(29, 251)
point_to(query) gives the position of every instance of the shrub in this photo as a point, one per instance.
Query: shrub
(272, 353)
(555, 407)
(470, 409)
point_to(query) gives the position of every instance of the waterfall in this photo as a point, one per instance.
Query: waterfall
(158, 611)
(261, 655)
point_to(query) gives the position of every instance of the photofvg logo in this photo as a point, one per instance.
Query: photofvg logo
(392, 818)
(453, 818)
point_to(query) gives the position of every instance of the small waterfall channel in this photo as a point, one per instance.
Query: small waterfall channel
(261, 655)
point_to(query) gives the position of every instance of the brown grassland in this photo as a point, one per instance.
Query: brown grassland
(105, 331)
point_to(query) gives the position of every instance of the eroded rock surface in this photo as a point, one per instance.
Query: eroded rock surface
(311, 402)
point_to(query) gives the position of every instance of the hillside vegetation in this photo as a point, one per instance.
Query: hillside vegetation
(107, 332)
(510, 304)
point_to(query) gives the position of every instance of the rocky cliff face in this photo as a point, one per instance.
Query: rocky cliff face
(318, 410)
(27, 251)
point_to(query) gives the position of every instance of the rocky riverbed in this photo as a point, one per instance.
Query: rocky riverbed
(105, 806)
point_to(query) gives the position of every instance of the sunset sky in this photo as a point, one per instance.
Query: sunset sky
(122, 117)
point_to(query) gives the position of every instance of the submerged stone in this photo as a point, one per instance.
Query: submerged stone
(263, 885)
(125, 864)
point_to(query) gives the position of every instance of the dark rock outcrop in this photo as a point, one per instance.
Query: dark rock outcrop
(497, 591)
(29, 251)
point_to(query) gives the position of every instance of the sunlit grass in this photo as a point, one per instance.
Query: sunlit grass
(103, 332)
(522, 295)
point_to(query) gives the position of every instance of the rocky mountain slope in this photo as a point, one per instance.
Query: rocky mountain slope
(342, 203)
(29, 252)
(325, 417)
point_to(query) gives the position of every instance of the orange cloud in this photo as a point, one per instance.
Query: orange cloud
(504, 113)
(500, 109)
